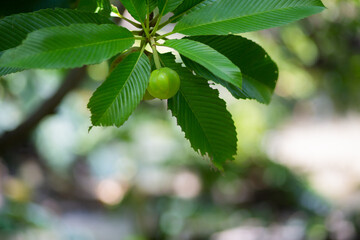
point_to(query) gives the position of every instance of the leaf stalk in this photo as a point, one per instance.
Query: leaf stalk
(137, 25)
(164, 36)
(155, 53)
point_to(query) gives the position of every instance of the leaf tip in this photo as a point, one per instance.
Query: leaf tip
(217, 166)
(90, 128)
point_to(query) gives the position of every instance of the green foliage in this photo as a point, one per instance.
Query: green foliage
(166, 6)
(259, 72)
(206, 56)
(186, 7)
(115, 100)
(68, 47)
(14, 29)
(102, 7)
(202, 115)
(223, 16)
(137, 8)
(64, 38)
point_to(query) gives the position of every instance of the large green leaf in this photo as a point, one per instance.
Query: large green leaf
(258, 70)
(15, 28)
(237, 16)
(166, 6)
(68, 47)
(8, 70)
(186, 7)
(202, 115)
(212, 60)
(137, 8)
(115, 100)
(152, 5)
(102, 7)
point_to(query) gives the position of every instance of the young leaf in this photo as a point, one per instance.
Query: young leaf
(166, 6)
(102, 7)
(15, 28)
(68, 47)
(259, 72)
(212, 60)
(232, 16)
(137, 8)
(202, 115)
(115, 100)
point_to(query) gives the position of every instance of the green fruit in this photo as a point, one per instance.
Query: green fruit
(164, 83)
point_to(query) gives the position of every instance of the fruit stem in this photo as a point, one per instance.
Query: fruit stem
(155, 53)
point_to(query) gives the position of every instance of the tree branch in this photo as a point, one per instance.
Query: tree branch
(17, 136)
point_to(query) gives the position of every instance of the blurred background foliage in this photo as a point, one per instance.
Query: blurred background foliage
(296, 175)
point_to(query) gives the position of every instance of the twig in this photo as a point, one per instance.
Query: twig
(17, 136)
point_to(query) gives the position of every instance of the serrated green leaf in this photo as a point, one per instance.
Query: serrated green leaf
(209, 58)
(102, 7)
(137, 8)
(115, 100)
(8, 70)
(68, 47)
(166, 6)
(258, 70)
(202, 115)
(15, 28)
(237, 16)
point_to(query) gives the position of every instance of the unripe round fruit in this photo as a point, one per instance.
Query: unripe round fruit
(164, 83)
